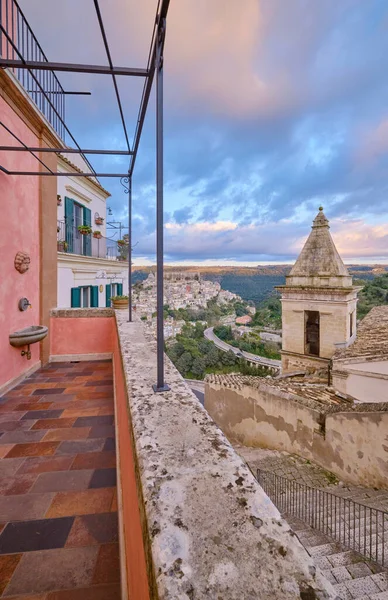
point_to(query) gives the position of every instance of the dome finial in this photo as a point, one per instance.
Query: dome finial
(321, 208)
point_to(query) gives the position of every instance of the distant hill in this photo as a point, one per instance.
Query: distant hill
(255, 283)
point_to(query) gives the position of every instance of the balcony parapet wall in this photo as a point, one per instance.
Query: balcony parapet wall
(209, 529)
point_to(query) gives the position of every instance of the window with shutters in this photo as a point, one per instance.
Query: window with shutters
(84, 296)
(75, 215)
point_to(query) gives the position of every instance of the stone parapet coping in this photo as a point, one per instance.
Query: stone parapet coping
(211, 530)
(86, 313)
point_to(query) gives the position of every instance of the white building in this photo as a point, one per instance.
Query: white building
(91, 268)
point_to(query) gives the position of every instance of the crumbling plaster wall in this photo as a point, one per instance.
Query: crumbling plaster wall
(353, 445)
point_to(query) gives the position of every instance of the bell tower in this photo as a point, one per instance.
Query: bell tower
(318, 303)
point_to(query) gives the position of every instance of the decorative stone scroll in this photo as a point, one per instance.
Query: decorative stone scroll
(22, 262)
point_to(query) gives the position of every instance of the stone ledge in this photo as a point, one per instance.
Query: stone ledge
(86, 313)
(213, 532)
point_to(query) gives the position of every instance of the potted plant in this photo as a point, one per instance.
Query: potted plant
(99, 220)
(121, 242)
(84, 229)
(97, 235)
(62, 246)
(59, 200)
(119, 302)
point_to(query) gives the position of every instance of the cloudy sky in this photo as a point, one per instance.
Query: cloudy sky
(272, 108)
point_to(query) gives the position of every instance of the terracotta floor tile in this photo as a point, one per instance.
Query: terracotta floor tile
(10, 466)
(114, 505)
(42, 414)
(72, 433)
(28, 597)
(33, 406)
(55, 388)
(102, 431)
(80, 503)
(110, 445)
(31, 536)
(63, 398)
(37, 386)
(17, 484)
(103, 478)
(33, 449)
(16, 425)
(63, 481)
(107, 410)
(94, 460)
(25, 506)
(87, 395)
(46, 570)
(107, 569)
(21, 437)
(94, 420)
(8, 565)
(85, 412)
(44, 464)
(95, 592)
(5, 448)
(11, 416)
(81, 446)
(91, 530)
(53, 423)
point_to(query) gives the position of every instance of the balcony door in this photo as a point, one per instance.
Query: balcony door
(78, 219)
(75, 215)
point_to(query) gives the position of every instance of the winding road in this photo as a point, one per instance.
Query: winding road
(268, 362)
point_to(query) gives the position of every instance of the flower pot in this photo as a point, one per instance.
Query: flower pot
(61, 246)
(121, 243)
(84, 232)
(120, 304)
(99, 221)
(59, 202)
(98, 236)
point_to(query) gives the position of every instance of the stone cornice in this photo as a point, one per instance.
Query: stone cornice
(66, 259)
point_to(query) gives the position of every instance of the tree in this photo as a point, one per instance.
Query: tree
(212, 357)
(184, 363)
(228, 358)
(198, 368)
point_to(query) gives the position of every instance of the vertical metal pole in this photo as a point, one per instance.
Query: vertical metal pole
(160, 384)
(129, 248)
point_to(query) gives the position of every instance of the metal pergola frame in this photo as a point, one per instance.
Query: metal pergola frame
(154, 66)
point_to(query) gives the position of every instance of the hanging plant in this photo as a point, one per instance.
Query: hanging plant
(59, 200)
(121, 242)
(97, 235)
(85, 229)
(99, 220)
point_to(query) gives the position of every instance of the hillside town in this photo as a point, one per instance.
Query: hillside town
(181, 291)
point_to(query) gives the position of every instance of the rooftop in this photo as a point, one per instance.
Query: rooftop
(372, 337)
(319, 263)
(315, 396)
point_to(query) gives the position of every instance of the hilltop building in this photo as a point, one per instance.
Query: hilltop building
(318, 303)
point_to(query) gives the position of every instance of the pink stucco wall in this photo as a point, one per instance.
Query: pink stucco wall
(82, 335)
(19, 223)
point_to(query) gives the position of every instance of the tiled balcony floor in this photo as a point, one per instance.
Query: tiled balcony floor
(58, 504)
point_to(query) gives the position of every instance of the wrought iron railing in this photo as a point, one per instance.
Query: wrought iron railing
(96, 247)
(353, 525)
(18, 42)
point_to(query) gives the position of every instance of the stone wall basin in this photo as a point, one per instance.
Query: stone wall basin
(29, 335)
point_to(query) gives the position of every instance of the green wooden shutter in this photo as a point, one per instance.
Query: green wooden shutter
(87, 239)
(75, 297)
(94, 296)
(119, 289)
(69, 223)
(107, 294)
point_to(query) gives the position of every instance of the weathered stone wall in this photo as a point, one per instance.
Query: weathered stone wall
(211, 530)
(367, 381)
(351, 444)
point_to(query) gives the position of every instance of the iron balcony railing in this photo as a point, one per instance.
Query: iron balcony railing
(20, 43)
(353, 525)
(70, 240)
